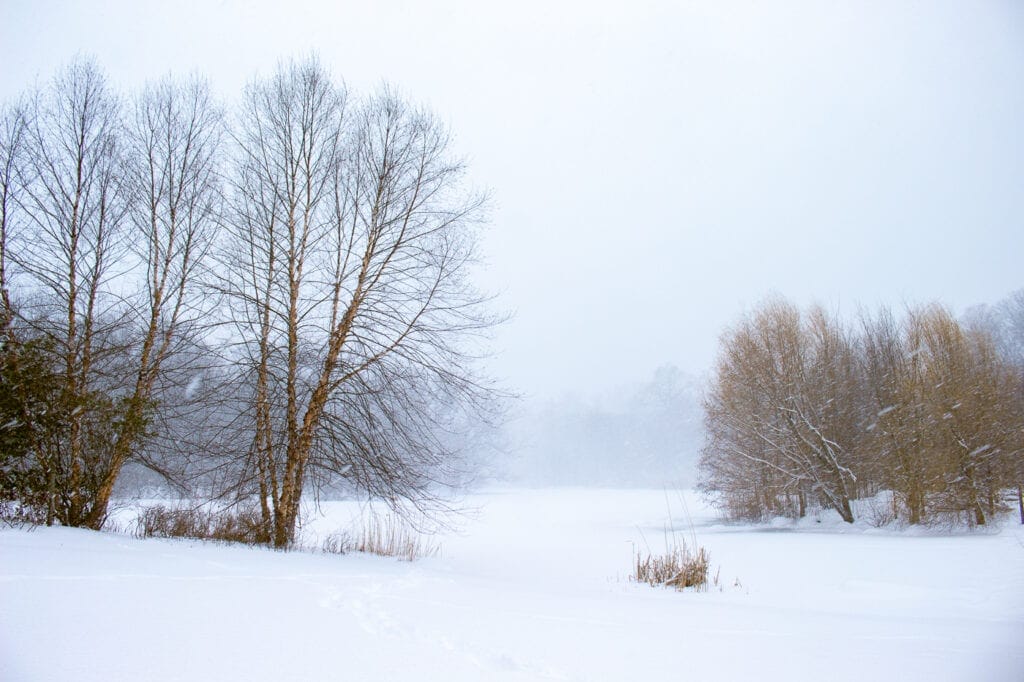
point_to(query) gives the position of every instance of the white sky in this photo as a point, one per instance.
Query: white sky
(657, 168)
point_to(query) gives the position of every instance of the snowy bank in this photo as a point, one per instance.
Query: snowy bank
(533, 587)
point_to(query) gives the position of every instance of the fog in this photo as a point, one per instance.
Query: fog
(646, 434)
(655, 168)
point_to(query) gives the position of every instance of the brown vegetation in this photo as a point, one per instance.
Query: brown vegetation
(678, 567)
(386, 536)
(805, 410)
(238, 525)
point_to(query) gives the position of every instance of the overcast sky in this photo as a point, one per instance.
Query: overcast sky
(657, 168)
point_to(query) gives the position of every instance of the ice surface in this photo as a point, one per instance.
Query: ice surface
(533, 587)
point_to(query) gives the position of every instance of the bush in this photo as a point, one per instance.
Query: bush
(240, 525)
(677, 567)
(880, 510)
(19, 514)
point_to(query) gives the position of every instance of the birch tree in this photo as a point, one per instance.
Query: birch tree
(74, 200)
(115, 212)
(12, 142)
(350, 242)
(172, 143)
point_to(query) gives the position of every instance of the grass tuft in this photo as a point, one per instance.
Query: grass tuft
(386, 536)
(678, 567)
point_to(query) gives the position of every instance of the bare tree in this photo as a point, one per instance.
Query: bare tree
(346, 272)
(899, 436)
(26, 383)
(782, 413)
(1004, 322)
(354, 326)
(173, 144)
(1010, 339)
(740, 464)
(928, 409)
(12, 141)
(970, 398)
(75, 202)
(115, 218)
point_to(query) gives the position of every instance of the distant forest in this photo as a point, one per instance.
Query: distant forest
(646, 435)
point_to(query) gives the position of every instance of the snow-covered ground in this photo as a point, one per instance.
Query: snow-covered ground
(533, 587)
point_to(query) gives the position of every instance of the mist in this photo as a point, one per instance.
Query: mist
(656, 169)
(654, 172)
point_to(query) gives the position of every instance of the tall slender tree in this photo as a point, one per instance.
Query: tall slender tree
(173, 141)
(346, 274)
(75, 202)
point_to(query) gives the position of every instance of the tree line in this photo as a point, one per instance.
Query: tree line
(250, 301)
(806, 410)
(646, 434)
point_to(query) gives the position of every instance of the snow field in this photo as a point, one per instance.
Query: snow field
(534, 586)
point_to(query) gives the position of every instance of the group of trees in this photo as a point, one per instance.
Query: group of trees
(806, 410)
(258, 301)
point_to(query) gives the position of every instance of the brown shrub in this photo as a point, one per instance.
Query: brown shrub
(226, 525)
(677, 567)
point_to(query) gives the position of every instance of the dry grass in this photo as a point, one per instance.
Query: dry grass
(678, 567)
(383, 535)
(239, 525)
(386, 536)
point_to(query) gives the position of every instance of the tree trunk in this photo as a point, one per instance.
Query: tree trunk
(284, 525)
(915, 506)
(845, 510)
(51, 495)
(130, 432)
